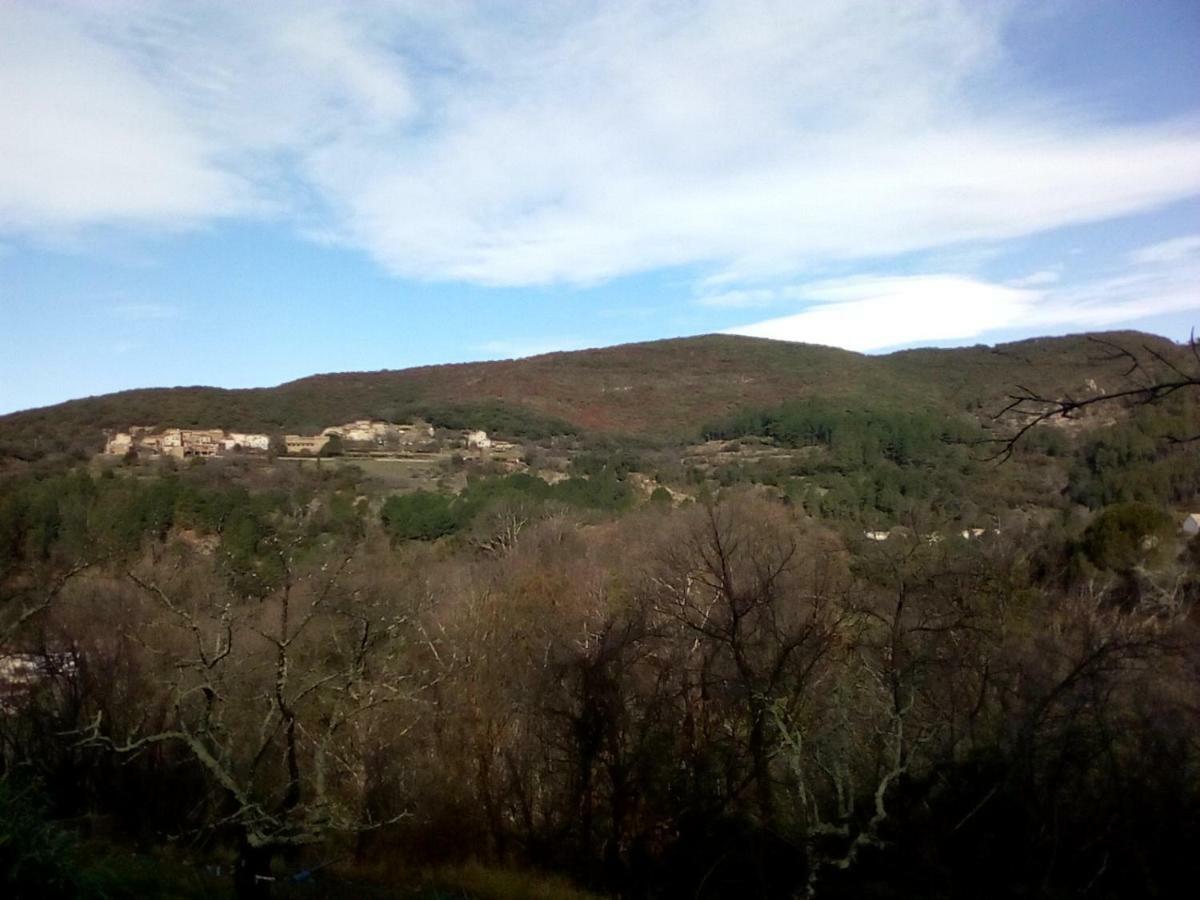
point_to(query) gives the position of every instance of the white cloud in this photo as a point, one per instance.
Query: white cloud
(877, 312)
(1171, 251)
(871, 313)
(747, 298)
(559, 142)
(1141, 292)
(518, 348)
(84, 138)
(163, 115)
(1036, 279)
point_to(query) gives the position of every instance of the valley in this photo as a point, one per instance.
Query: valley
(708, 613)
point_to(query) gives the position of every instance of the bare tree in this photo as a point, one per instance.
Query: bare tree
(859, 733)
(272, 700)
(1151, 376)
(30, 604)
(761, 614)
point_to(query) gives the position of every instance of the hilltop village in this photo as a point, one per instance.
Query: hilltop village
(362, 437)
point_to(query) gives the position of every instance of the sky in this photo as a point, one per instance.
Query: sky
(240, 194)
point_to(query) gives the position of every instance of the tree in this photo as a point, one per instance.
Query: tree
(1152, 376)
(333, 446)
(760, 607)
(274, 702)
(420, 516)
(1128, 535)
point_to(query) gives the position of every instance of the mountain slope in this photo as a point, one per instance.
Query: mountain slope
(662, 389)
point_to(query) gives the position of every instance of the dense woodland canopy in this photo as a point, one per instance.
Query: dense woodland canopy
(659, 673)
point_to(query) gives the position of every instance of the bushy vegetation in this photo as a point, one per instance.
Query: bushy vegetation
(854, 435)
(874, 463)
(887, 465)
(248, 658)
(1129, 535)
(427, 515)
(1140, 458)
(500, 419)
(38, 858)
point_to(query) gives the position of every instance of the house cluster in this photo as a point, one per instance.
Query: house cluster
(362, 432)
(967, 534)
(182, 443)
(1190, 527)
(367, 431)
(360, 435)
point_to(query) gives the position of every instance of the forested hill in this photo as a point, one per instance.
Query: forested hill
(660, 390)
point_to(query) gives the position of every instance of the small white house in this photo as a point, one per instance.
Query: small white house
(478, 440)
(1191, 525)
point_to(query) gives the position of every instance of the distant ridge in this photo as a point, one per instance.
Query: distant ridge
(664, 390)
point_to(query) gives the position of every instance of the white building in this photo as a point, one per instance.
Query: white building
(246, 441)
(1191, 525)
(478, 440)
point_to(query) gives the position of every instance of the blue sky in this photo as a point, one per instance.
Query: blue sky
(241, 194)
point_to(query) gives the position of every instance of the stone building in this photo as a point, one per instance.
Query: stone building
(237, 439)
(417, 432)
(362, 431)
(299, 443)
(119, 444)
(170, 442)
(202, 441)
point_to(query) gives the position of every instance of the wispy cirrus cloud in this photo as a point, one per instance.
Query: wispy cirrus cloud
(1038, 278)
(558, 143)
(1170, 251)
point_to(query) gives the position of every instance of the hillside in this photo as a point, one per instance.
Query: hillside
(660, 390)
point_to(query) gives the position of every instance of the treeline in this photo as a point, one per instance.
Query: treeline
(854, 435)
(428, 515)
(80, 516)
(876, 465)
(886, 465)
(721, 700)
(1151, 457)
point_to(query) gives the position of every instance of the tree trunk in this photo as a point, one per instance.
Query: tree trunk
(760, 761)
(252, 872)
